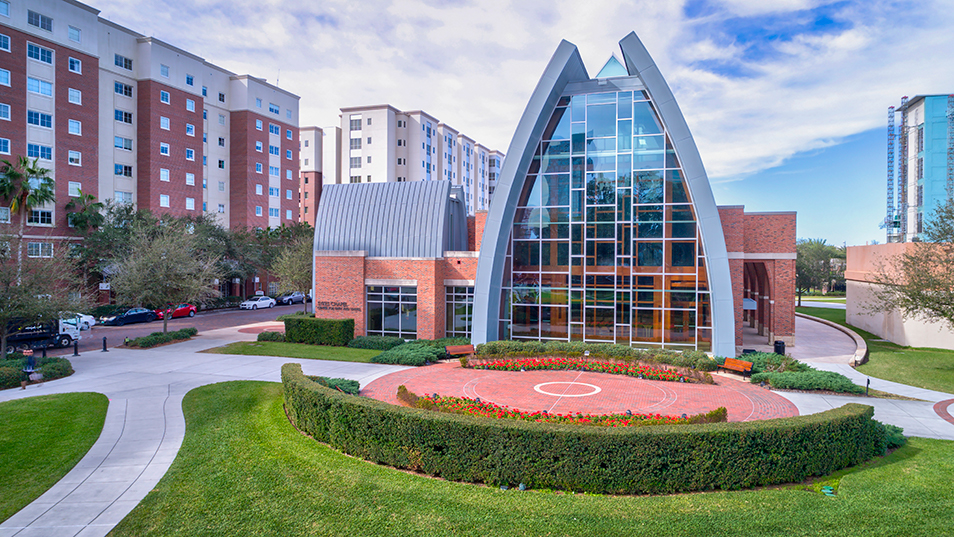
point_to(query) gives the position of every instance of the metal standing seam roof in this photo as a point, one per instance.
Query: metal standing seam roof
(414, 219)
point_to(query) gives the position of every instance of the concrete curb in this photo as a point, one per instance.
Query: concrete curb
(861, 347)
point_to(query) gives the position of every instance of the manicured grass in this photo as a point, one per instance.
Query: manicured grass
(922, 367)
(835, 299)
(243, 470)
(296, 350)
(41, 440)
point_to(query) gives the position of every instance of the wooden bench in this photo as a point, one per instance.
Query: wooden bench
(459, 350)
(737, 365)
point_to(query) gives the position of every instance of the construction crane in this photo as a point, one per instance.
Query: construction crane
(903, 172)
(889, 215)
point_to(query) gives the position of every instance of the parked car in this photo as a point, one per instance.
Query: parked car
(296, 297)
(85, 321)
(181, 310)
(129, 316)
(257, 302)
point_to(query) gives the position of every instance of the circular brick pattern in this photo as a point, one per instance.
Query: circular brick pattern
(617, 393)
(942, 408)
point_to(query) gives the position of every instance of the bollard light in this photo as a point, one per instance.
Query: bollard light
(104, 345)
(76, 348)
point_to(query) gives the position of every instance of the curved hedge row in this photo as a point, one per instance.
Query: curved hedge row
(640, 460)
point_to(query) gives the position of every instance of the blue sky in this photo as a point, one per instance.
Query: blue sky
(786, 99)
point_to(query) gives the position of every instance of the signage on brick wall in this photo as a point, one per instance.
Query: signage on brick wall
(334, 306)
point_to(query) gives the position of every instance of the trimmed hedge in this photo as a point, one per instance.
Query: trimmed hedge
(639, 460)
(603, 351)
(380, 343)
(51, 367)
(271, 336)
(809, 380)
(158, 338)
(302, 329)
(9, 377)
(413, 353)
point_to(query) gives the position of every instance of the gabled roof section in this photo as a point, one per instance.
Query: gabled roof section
(416, 219)
(612, 68)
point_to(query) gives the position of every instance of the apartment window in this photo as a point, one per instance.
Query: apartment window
(190, 154)
(190, 129)
(205, 114)
(221, 164)
(258, 124)
(204, 207)
(163, 174)
(164, 149)
(75, 189)
(288, 214)
(163, 123)
(5, 42)
(205, 182)
(75, 96)
(274, 150)
(258, 210)
(190, 204)
(163, 200)
(40, 21)
(288, 154)
(288, 194)
(273, 171)
(44, 152)
(288, 135)
(259, 147)
(122, 143)
(190, 81)
(4, 77)
(122, 170)
(369, 140)
(306, 143)
(355, 162)
(4, 146)
(164, 97)
(288, 175)
(190, 106)
(122, 61)
(369, 178)
(920, 195)
(39, 119)
(274, 129)
(75, 158)
(221, 97)
(369, 159)
(4, 215)
(273, 108)
(205, 137)
(123, 116)
(356, 143)
(288, 114)
(39, 249)
(122, 89)
(273, 212)
(221, 119)
(221, 207)
(258, 167)
(205, 91)
(75, 127)
(355, 124)
(258, 102)
(920, 168)
(221, 141)
(39, 53)
(306, 162)
(272, 191)
(369, 121)
(164, 70)
(4, 8)
(920, 223)
(40, 217)
(354, 179)
(122, 197)
(221, 186)
(41, 87)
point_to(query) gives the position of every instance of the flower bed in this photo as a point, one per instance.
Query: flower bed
(614, 368)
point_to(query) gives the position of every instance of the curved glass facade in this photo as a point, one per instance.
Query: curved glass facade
(605, 245)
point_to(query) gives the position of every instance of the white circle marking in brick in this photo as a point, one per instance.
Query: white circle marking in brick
(539, 388)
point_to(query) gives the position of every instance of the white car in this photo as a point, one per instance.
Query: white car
(85, 321)
(257, 302)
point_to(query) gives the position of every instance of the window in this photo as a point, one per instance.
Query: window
(273, 108)
(288, 135)
(4, 146)
(44, 152)
(42, 87)
(221, 207)
(288, 214)
(205, 91)
(258, 124)
(459, 306)
(274, 150)
(273, 191)
(204, 208)
(288, 154)
(75, 96)
(288, 175)
(5, 42)
(40, 217)
(39, 53)
(4, 77)
(122, 143)
(163, 174)
(369, 140)
(163, 123)
(164, 70)
(369, 159)
(274, 129)
(122, 61)
(39, 249)
(205, 160)
(122, 197)
(258, 167)
(306, 162)
(259, 147)
(40, 119)
(75, 158)
(392, 311)
(75, 188)
(4, 8)
(4, 215)
(354, 179)
(221, 186)
(355, 162)
(75, 127)
(190, 204)
(221, 164)
(273, 171)
(258, 210)
(205, 137)
(190, 81)
(40, 21)
(190, 154)
(163, 200)
(306, 143)
(122, 170)
(273, 212)
(164, 97)
(355, 124)
(122, 89)
(123, 116)
(355, 143)
(369, 121)
(221, 119)
(190, 106)
(190, 129)
(205, 114)
(164, 149)
(221, 97)
(258, 102)
(288, 194)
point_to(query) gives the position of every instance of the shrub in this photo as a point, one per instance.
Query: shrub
(809, 380)
(271, 336)
(893, 436)
(348, 386)
(768, 362)
(304, 329)
(56, 369)
(603, 351)
(639, 460)
(189, 331)
(381, 343)
(158, 338)
(10, 377)
(412, 353)
(51, 367)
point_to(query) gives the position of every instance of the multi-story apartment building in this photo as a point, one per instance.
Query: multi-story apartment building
(383, 144)
(311, 171)
(132, 119)
(925, 168)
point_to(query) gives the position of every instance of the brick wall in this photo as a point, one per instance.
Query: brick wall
(339, 288)
(769, 233)
(311, 183)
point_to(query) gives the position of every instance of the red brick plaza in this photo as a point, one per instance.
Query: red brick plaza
(570, 392)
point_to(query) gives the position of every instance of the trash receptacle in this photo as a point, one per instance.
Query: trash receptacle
(780, 347)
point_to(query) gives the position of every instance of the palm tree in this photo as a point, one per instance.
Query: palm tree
(25, 185)
(87, 213)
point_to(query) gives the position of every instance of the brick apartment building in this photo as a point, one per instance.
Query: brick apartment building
(135, 120)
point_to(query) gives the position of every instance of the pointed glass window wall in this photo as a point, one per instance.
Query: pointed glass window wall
(605, 246)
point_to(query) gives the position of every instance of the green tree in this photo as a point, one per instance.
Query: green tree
(85, 212)
(25, 186)
(293, 267)
(817, 265)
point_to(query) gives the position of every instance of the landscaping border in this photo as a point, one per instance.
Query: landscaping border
(640, 460)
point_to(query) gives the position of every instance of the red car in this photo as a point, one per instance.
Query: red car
(182, 310)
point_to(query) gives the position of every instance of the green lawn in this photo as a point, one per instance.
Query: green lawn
(296, 350)
(922, 367)
(835, 299)
(243, 470)
(41, 440)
